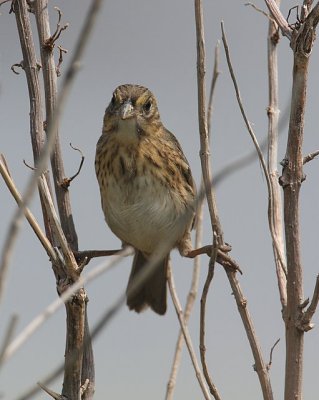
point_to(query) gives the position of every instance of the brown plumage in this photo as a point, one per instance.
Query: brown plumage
(146, 185)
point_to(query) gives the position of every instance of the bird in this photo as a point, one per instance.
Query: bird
(147, 189)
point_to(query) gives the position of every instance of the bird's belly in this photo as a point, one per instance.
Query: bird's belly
(144, 213)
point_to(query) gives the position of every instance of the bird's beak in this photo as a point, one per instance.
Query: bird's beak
(127, 110)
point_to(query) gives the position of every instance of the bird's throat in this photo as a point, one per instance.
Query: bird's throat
(127, 131)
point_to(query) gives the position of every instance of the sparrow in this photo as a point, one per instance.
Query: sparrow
(146, 185)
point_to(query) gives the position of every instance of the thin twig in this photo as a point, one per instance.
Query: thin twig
(216, 73)
(271, 353)
(309, 157)
(260, 11)
(305, 323)
(187, 337)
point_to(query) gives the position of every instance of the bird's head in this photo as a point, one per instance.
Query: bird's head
(132, 113)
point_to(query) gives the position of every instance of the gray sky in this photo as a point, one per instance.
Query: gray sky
(153, 43)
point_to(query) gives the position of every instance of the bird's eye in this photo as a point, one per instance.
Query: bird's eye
(147, 106)
(113, 99)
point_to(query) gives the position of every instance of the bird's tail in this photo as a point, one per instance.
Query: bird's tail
(152, 293)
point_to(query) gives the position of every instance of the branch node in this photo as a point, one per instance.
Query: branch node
(50, 42)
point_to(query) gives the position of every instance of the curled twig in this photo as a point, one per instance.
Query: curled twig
(17, 65)
(28, 165)
(67, 181)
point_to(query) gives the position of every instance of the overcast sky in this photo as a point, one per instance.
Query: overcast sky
(153, 43)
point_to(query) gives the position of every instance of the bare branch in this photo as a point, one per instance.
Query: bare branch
(260, 366)
(187, 337)
(310, 157)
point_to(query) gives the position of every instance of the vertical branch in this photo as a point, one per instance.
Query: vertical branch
(50, 87)
(273, 116)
